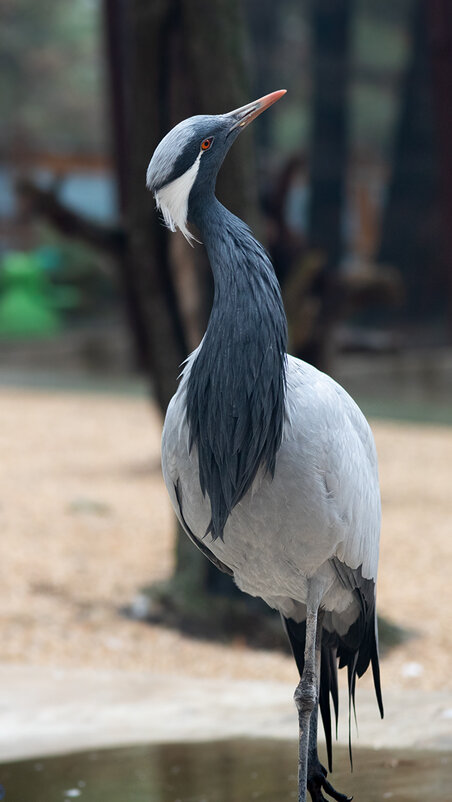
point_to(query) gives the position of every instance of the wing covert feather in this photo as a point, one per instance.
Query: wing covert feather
(344, 453)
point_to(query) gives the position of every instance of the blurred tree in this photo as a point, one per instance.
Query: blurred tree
(328, 160)
(439, 19)
(410, 227)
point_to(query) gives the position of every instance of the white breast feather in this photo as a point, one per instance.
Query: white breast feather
(172, 200)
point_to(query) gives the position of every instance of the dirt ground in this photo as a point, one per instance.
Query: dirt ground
(86, 523)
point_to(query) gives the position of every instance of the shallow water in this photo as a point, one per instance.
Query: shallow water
(225, 771)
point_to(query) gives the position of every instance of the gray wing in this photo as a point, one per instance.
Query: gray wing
(346, 456)
(342, 451)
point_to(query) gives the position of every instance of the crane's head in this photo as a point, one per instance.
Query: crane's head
(190, 156)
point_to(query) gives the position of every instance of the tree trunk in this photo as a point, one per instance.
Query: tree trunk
(328, 158)
(149, 34)
(114, 18)
(410, 226)
(439, 19)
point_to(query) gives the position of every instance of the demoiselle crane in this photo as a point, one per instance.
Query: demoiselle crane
(270, 465)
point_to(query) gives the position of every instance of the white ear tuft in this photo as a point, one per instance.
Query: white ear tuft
(172, 200)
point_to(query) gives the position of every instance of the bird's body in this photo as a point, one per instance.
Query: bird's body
(270, 465)
(322, 502)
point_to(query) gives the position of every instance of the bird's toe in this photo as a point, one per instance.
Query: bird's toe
(335, 794)
(319, 783)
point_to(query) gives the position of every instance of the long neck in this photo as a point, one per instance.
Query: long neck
(236, 387)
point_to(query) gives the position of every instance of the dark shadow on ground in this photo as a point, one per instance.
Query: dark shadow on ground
(226, 619)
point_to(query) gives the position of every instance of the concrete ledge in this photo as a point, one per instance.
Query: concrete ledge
(44, 711)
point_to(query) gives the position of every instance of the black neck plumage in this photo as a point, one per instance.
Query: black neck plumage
(236, 387)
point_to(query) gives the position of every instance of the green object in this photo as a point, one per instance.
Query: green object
(26, 299)
(48, 257)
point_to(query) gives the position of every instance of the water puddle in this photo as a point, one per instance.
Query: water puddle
(225, 771)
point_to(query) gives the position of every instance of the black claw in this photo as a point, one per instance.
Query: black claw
(335, 794)
(318, 782)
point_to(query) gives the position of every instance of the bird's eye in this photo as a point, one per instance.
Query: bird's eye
(206, 143)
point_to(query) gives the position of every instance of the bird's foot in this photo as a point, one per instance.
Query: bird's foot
(317, 782)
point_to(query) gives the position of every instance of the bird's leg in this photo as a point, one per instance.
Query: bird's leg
(315, 768)
(306, 698)
(317, 774)
(314, 765)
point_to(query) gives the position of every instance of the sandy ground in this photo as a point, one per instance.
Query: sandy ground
(86, 523)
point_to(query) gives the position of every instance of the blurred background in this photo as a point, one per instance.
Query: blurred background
(347, 181)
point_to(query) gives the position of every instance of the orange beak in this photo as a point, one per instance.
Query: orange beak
(246, 114)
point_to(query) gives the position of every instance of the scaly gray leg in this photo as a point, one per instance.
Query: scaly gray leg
(317, 773)
(305, 696)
